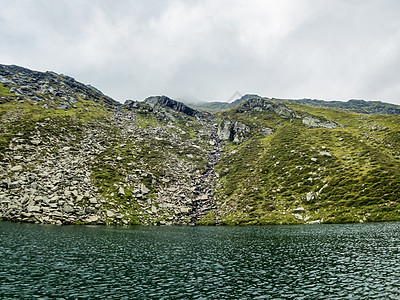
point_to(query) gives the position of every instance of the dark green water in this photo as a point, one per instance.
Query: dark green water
(356, 261)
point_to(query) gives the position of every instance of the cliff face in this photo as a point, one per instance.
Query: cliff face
(71, 155)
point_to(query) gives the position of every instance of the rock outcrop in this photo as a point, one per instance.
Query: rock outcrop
(261, 104)
(232, 131)
(175, 105)
(315, 122)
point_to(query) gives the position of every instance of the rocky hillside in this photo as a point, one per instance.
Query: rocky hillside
(359, 106)
(71, 155)
(293, 164)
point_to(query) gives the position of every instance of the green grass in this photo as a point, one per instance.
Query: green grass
(4, 91)
(22, 118)
(265, 178)
(145, 120)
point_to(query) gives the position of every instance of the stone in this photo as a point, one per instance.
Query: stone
(324, 153)
(68, 209)
(121, 191)
(80, 212)
(314, 222)
(314, 159)
(92, 219)
(267, 131)
(16, 168)
(93, 201)
(299, 209)
(90, 210)
(202, 197)
(184, 209)
(297, 216)
(26, 215)
(309, 196)
(314, 122)
(144, 189)
(33, 208)
(35, 142)
(56, 215)
(14, 185)
(110, 214)
(53, 199)
(46, 209)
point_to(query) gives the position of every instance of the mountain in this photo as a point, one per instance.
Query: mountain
(359, 106)
(71, 155)
(221, 106)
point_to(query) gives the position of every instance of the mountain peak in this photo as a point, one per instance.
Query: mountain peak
(173, 104)
(56, 90)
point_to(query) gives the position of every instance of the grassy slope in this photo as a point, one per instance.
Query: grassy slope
(263, 179)
(22, 119)
(4, 91)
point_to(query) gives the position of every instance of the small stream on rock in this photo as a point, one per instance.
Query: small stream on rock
(204, 192)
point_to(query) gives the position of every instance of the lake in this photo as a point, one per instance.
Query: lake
(354, 261)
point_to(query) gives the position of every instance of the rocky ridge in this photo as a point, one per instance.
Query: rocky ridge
(59, 90)
(358, 106)
(237, 132)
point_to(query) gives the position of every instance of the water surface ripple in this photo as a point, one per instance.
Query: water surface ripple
(354, 261)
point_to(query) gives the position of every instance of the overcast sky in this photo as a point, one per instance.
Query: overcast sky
(208, 50)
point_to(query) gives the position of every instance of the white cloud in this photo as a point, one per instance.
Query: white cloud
(210, 49)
